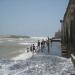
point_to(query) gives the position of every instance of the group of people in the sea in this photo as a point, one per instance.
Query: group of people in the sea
(40, 46)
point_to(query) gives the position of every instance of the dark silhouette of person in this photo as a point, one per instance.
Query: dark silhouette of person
(48, 44)
(38, 43)
(42, 45)
(33, 47)
(27, 49)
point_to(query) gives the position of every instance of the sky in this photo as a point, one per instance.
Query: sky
(31, 17)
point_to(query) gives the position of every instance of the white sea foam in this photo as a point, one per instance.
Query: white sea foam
(21, 39)
(23, 56)
(24, 43)
(10, 40)
(27, 43)
(73, 56)
(39, 38)
(49, 65)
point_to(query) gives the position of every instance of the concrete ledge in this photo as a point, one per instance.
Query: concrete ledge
(73, 59)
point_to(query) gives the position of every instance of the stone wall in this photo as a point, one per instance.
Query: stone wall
(68, 28)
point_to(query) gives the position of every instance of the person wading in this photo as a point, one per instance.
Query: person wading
(33, 48)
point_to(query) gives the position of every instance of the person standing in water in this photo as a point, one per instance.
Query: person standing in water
(38, 45)
(33, 47)
(48, 44)
(42, 45)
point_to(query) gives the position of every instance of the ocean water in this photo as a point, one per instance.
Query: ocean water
(55, 49)
(38, 65)
(11, 47)
(41, 63)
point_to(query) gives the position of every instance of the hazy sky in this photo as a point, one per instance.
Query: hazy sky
(31, 17)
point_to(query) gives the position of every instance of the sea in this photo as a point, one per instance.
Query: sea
(41, 63)
(12, 47)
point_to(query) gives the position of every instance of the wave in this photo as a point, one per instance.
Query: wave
(10, 40)
(27, 43)
(38, 65)
(21, 38)
(24, 43)
(23, 56)
(39, 38)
